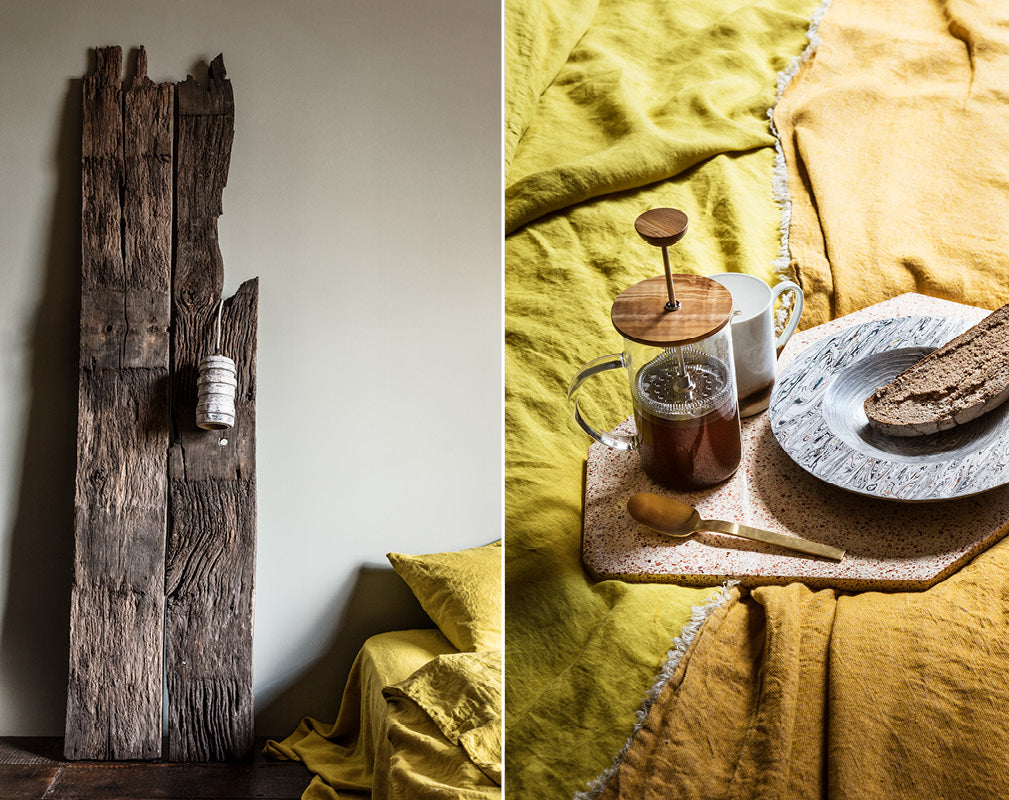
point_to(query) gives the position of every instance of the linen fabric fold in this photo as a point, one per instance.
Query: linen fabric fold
(654, 104)
(893, 133)
(418, 719)
(794, 693)
(894, 137)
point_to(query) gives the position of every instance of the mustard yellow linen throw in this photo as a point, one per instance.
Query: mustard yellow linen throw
(894, 134)
(791, 693)
(896, 129)
(655, 104)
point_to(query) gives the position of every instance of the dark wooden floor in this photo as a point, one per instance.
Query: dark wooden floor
(33, 769)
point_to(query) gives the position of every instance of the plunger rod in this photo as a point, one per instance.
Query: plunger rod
(683, 382)
(673, 303)
(662, 227)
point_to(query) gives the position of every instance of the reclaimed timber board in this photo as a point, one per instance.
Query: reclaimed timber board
(114, 702)
(212, 487)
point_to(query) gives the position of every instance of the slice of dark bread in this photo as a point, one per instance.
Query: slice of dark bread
(963, 379)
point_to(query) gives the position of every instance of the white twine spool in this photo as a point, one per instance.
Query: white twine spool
(215, 404)
(215, 387)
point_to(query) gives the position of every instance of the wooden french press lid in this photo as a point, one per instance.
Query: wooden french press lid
(670, 310)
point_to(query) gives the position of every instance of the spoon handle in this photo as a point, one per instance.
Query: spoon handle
(768, 537)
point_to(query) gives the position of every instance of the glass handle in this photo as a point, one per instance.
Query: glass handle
(617, 441)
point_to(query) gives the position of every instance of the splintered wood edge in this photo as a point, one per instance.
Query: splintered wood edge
(114, 693)
(210, 712)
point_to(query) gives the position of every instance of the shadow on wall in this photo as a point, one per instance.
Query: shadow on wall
(34, 639)
(379, 601)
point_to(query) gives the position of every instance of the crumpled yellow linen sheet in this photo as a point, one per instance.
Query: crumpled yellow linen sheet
(791, 693)
(894, 135)
(653, 104)
(418, 719)
(898, 125)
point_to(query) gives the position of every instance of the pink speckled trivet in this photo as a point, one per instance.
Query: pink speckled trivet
(889, 544)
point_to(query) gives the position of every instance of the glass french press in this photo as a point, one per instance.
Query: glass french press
(678, 357)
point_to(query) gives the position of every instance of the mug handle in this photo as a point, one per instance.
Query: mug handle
(797, 303)
(617, 441)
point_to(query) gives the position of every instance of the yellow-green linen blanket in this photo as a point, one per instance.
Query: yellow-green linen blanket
(896, 131)
(612, 107)
(421, 713)
(418, 719)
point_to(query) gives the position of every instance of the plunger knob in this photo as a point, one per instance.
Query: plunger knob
(661, 226)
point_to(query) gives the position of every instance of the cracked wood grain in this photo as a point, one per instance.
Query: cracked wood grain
(165, 524)
(211, 550)
(114, 702)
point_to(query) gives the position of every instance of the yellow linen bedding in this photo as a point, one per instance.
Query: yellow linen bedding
(894, 135)
(896, 127)
(655, 104)
(461, 694)
(790, 693)
(411, 700)
(539, 35)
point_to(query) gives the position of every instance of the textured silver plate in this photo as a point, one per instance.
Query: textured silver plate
(816, 416)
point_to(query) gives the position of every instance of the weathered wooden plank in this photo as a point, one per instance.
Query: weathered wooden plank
(212, 489)
(114, 699)
(147, 215)
(101, 213)
(211, 569)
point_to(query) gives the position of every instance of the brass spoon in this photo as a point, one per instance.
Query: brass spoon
(673, 518)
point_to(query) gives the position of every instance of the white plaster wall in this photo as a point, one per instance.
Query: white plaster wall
(364, 191)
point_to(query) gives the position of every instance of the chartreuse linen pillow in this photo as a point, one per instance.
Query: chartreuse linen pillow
(460, 591)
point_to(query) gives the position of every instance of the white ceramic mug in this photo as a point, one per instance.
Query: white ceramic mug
(755, 347)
